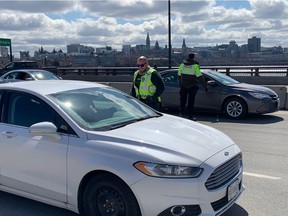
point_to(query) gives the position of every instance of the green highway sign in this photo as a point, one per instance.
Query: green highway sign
(5, 42)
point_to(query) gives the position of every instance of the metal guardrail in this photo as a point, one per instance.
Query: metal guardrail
(274, 71)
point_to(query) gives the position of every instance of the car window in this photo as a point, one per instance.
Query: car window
(170, 78)
(43, 75)
(26, 110)
(101, 108)
(11, 76)
(10, 66)
(22, 76)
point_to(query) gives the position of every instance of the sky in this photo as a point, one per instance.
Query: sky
(53, 24)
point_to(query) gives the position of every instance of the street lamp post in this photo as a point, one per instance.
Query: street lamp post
(169, 34)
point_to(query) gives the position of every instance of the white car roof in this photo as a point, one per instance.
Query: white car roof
(46, 87)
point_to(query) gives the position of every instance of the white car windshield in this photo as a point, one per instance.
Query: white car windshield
(102, 109)
(43, 75)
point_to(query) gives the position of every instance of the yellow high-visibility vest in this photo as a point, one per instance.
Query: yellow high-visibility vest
(146, 87)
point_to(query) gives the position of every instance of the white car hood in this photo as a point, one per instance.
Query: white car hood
(168, 138)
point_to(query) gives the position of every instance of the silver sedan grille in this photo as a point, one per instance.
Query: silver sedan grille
(224, 173)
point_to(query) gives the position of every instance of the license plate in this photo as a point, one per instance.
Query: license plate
(233, 190)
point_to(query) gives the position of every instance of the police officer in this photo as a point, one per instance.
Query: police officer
(188, 74)
(147, 84)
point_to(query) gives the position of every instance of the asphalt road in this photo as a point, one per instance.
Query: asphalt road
(264, 142)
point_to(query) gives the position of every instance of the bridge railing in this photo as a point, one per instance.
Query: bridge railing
(273, 71)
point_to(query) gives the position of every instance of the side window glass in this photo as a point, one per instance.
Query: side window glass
(62, 126)
(26, 110)
(10, 66)
(21, 76)
(11, 76)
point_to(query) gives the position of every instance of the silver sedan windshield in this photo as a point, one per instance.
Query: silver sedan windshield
(102, 108)
(222, 78)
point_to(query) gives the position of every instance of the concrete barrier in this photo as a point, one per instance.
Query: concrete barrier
(286, 102)
(282, 93)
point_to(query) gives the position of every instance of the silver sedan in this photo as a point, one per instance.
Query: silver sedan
(95, 150)
(224, 95)
(28, 75)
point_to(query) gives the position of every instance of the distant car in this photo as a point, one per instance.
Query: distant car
(225, 95)
(19, 65)
(28, 75)
(96, 150)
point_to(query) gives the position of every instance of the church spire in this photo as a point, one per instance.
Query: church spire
(184, 44)
(184, 47)
(148, 41)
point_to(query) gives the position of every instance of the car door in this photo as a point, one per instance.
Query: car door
(33, 164)
(210, 100)
(170, 97)
(1, 103)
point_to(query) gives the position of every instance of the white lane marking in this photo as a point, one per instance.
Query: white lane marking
(261, 176)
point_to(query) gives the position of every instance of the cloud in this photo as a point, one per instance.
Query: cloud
(38, 6)
(270, 9)
(54, 24)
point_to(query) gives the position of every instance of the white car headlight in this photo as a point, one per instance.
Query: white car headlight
(259, 95)
(168, 171)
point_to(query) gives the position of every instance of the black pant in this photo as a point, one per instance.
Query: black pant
(155, 104)
(190, 93)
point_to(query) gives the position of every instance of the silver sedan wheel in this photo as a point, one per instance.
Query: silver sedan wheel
(235, 108)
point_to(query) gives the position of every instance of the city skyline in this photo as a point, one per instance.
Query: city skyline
(54, 24)
(255, 46)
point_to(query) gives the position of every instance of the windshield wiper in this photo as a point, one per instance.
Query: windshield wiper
(123, 124)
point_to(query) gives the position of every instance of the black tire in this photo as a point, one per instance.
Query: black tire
(107, 195)
(235, 108)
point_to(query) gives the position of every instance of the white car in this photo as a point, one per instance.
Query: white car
(28, 75)
(95, 150)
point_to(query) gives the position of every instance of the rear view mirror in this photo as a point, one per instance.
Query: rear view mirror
(44, 129)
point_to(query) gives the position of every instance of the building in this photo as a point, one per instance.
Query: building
(254, 44)
(126, 49)
(3, 51)
(74, 48)
(24, 55)
(157, 47)
(105, 50)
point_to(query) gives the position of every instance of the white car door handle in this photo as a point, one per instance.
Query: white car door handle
(8, 134)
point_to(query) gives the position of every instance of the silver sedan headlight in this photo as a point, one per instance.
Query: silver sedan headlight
(168, 171)
(259, 95)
